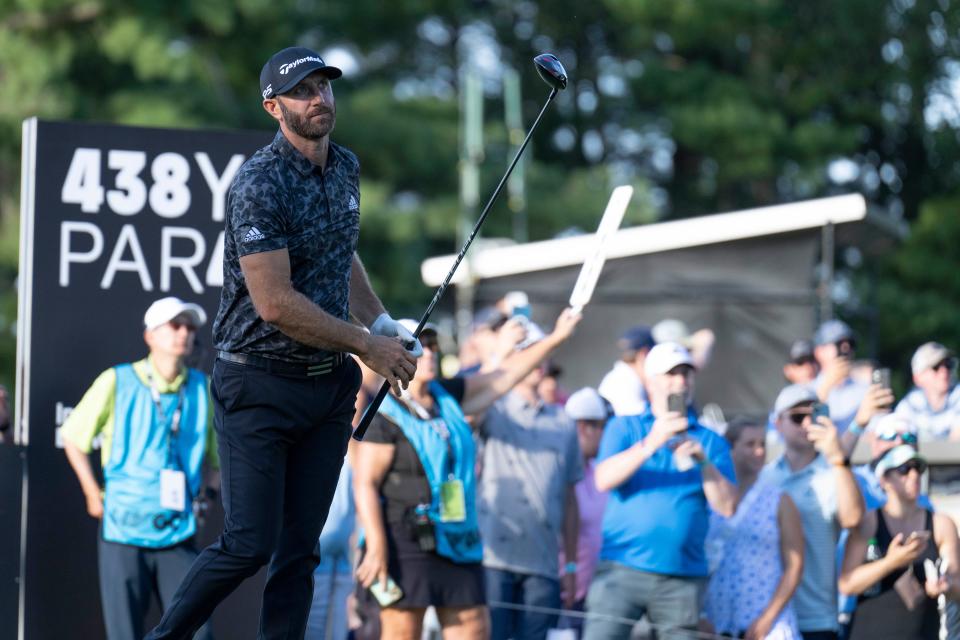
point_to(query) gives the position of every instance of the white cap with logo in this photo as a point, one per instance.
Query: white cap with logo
(166, 309)
(664, 357)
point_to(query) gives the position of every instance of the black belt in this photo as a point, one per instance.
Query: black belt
(286, 367)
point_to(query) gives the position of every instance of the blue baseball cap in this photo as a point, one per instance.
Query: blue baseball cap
(637, 338)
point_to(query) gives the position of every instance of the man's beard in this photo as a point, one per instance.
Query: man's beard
(304, 127)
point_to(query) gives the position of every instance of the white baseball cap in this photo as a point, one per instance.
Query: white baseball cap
(664, 357)
(895, 457)
(586, 404)
(927, 356)
(166, 309)
(793, 395)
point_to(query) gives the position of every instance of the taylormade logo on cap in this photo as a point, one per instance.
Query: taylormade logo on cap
(284, 68)
(289, 66)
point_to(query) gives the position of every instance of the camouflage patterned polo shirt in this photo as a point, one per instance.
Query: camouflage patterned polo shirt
(280, 200)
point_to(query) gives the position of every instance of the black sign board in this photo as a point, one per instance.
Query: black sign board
(112, 218)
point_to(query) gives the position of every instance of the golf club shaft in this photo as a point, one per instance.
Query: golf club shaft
(372, 408)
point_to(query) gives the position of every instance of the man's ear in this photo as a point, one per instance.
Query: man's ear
(271, 106)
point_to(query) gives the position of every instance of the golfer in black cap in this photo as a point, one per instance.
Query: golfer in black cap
(283, 387)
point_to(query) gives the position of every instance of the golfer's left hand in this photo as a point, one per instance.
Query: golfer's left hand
(386, 326)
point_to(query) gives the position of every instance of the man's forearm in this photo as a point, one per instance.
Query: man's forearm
(80, 462)
(721, 493)
(617, 469)
(365, 306)
(849, 500)
(305, 322)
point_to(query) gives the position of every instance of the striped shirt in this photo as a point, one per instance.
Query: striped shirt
(814, 490)
(930, 424)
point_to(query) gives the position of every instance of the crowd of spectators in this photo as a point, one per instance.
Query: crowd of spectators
(614, 512)
(493, 503)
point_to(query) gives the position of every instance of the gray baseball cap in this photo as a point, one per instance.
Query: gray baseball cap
(791, 396)
(832, 331)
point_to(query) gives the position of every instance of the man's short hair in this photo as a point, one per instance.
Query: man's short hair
(736, 427)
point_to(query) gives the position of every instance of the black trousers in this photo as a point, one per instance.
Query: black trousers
(282, 440)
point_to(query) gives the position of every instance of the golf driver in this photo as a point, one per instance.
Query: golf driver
(553, 73)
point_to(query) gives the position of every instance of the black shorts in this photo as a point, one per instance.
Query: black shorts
(428, 579)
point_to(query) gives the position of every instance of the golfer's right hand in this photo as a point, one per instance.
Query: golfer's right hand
(389, 358)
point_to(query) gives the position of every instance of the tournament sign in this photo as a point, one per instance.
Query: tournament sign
(112, 218)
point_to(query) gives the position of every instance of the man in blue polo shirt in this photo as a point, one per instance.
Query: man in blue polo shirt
(664, 472)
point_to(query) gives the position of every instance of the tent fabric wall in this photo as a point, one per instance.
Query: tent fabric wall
(757, 294)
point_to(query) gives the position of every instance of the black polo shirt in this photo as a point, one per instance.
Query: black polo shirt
(280, 200)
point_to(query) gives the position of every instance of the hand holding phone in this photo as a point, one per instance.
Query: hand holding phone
(881, 377)
(820, 410)
(386, 595)
(676, 403)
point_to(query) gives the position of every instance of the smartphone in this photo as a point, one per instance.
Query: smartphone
(922, 535)
(819, 409)
(676, 403)
(386, 596)
(881, 377)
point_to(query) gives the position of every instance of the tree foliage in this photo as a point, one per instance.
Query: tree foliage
(704, 105)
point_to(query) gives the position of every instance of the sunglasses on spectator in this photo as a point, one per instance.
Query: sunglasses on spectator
(176, 325)
(949, 363)
(804, 360)
(911, 465)
(797, 417)
(890, 436)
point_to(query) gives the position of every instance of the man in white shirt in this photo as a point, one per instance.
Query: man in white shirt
(623, 386)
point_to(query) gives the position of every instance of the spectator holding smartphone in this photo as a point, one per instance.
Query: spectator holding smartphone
(652, 558)
(891, 558)
(814, 471)
(834, 348)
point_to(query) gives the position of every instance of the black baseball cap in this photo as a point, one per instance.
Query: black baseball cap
(289, 66)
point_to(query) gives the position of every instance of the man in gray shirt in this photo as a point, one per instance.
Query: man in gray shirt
(531, 463)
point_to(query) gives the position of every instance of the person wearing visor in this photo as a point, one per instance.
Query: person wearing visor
(415, 488)
(900, 558)
(814, 471)
(888, 432)
(294, 297)
(672, 470)
(933, 405)
(153, 418)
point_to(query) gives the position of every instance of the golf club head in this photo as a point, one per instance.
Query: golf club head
(551, 70)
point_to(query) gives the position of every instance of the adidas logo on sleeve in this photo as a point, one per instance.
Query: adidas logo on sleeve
(253, 235)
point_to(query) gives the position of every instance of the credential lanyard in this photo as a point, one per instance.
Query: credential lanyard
(173, 454)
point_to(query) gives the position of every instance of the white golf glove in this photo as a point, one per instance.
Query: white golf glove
(386, 326)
